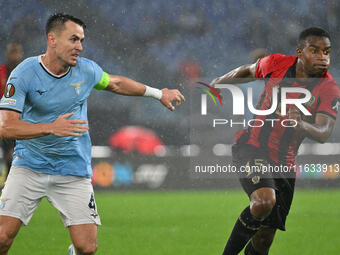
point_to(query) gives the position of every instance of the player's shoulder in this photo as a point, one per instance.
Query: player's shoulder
(90, 68)
(277, 56)
(274, 63)
(85, 63)
(26, 65)
(329, 85)
(327, 75)
(279, 60)
(25, 69)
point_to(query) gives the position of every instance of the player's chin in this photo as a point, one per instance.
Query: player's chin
(320, 69)
(318, 72)
(73, 62)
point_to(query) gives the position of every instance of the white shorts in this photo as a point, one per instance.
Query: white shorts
(72, 196)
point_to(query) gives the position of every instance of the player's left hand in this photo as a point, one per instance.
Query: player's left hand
(170, 95)
(295, 114)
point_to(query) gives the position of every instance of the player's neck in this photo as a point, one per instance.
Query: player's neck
(54, 65)
(301, 74)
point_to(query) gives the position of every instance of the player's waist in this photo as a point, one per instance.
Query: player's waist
(83, 170)
(275, 150)
(55, 148)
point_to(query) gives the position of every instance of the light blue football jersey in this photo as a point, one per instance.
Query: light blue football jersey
(41, 97)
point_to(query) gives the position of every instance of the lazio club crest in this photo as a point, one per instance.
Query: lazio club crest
(77, 86)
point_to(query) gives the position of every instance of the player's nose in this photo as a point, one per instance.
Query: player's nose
(323, 57)
(79, 46)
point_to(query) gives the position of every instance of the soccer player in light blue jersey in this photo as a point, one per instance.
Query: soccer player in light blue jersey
(44, 108)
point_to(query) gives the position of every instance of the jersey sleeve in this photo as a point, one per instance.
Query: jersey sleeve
(329, 101)
(98, 73)
(267, 65)
(14, 95)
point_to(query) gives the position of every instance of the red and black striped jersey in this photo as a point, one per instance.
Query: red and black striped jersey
(281, 143)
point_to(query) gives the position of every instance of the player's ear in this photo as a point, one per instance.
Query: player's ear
(298, 52)
(51, 39)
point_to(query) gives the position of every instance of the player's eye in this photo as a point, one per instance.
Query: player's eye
(326, 52)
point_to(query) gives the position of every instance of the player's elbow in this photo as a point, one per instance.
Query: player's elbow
(247, 71)
(322, 139)
(115, 84)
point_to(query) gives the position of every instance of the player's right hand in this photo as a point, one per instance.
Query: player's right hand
(169, 95)
(68, 127)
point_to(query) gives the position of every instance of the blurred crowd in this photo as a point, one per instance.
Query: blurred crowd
(169, 43)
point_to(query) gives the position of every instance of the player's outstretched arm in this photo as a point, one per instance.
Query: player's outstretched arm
(242, 74)
(125, 86)
(319, 131)
(11, 127)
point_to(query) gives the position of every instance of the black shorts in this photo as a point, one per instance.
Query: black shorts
(282, 183)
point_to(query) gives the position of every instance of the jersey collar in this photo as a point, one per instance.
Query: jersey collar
(49, 72)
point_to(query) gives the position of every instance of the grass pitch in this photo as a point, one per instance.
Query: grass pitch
(185, 223)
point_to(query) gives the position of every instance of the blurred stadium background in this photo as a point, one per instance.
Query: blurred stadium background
(174, 44)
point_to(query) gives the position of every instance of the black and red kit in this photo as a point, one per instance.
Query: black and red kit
(278, 142)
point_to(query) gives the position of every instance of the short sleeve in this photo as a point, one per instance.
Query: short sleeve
(330, 101)
(14, 95)
(263, 66)
(272, 63)
(98, 72)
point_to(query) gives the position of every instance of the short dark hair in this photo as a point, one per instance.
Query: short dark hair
(312, 31)
(57, 21)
